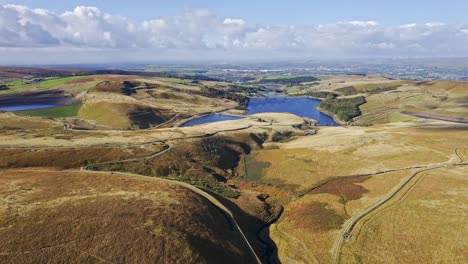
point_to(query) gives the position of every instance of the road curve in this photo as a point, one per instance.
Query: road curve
(154, 155)
(198, 191)
(352, 222)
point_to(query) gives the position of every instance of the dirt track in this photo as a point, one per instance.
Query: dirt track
(353, 221)
(438, 117)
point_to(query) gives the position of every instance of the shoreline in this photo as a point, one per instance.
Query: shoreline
(341, 122)
(200, 115)
(332, 115)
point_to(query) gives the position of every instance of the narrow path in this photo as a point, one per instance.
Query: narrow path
(346, 230)
(337, 178)
(198, 191)
(154, 155)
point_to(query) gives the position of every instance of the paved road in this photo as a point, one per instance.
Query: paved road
(352, 222)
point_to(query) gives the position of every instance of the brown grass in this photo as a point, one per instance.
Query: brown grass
(68, 157)
(53, 216)
(109, 86)
(313, 216)
(345, 188)
(81, 80)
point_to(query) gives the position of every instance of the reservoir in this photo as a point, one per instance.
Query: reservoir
(26, 107)
(303, 107)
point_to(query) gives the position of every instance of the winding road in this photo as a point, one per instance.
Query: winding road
(346, 230)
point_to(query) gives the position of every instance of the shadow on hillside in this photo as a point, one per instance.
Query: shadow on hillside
(253, 228)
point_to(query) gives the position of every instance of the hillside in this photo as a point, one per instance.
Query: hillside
(56, 216)
(298, 191)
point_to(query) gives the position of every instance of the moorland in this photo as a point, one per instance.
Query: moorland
(108, 173)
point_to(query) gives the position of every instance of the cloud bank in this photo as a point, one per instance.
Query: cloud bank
(201, 34)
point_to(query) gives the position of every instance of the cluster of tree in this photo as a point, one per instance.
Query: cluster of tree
(282, 136)
(345, 109)
(382, 89)
(348, 90)
(242, 100)
(321, 94)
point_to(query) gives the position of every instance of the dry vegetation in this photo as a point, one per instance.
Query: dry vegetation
(65, 158)
(422, 225)
(53, 216)
(317, 178)
(260, 163)
(443, 98)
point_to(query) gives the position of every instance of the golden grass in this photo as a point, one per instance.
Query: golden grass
(307, 229)
(423, 224)
(109, 114)
(374, 86)
(336, 152)
(439, 97)
(10, 120)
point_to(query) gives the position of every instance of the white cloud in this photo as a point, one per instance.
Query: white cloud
(202, 33)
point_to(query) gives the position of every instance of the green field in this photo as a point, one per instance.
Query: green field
(55, 112)
(48, 83)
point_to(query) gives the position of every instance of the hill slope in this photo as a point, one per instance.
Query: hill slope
(57, 216)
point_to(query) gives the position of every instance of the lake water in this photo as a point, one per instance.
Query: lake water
(26, 107)
(303, 107)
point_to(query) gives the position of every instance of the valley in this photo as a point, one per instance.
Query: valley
(166, 167)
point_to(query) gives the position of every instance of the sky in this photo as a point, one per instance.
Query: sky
(104, 31)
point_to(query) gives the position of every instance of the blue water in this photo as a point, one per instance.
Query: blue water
(209, 119)
(303, 107)
(26, 107)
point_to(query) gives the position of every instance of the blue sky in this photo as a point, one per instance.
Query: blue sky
(73, 31)
(390, 12)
